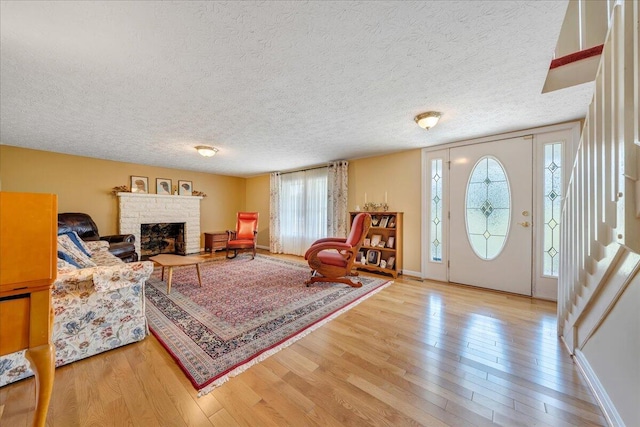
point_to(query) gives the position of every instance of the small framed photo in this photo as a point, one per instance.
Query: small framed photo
(139, 184)
(392, 222)
(367, 242)
(185, 188)
(383, 263)
(391, 262)
(384, 221)
(163, 186)
(373, 257)
(375, 220)
(382, 244)
(375, 239)
(391, 242)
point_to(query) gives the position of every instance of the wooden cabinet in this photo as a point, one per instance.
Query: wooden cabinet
(215, 241)
(375, 256)
(28, 267)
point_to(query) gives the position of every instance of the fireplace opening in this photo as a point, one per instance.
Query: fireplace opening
(162, 238)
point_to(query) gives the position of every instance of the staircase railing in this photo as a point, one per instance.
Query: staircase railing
(601, 211)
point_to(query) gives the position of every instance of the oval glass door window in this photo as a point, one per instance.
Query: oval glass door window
(488, 208)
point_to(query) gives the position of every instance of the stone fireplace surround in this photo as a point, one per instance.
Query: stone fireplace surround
(137, 209)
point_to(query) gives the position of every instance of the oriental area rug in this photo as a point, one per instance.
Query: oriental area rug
(245, 311)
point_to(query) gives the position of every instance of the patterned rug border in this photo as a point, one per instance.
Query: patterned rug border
(221, 378)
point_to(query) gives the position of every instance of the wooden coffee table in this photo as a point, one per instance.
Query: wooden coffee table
(170, 261)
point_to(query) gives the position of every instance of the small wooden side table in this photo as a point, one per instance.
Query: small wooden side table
(215, 241)
(169, 260)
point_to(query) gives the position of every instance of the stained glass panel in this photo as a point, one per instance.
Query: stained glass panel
(552, 192)
(488, 208)
(436, 210)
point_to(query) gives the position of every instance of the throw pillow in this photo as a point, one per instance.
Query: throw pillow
(66, 259)
(78, 242)
(65, 266)
(70, 250)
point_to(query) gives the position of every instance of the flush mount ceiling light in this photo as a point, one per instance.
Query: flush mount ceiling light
(427, 120)
(206, 151)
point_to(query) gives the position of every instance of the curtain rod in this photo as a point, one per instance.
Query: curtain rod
(330, 165)
(304, 170)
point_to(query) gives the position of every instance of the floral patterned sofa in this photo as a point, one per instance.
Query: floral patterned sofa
(96, 309)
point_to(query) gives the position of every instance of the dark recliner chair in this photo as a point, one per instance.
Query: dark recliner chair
(121, 245)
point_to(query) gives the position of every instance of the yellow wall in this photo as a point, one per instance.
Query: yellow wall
(84, 185)
(399, 175)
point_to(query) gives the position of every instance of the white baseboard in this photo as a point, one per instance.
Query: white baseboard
(266, 248)
(605, 403)
(417, 274)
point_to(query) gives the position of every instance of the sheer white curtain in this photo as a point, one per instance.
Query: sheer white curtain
(300, 216)
(306, 206)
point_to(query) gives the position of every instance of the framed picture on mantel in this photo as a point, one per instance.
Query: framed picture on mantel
(185, 188)
(163, 186)
(139, 184)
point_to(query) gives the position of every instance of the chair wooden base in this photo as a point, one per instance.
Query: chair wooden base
(315, 277)
(235, 252)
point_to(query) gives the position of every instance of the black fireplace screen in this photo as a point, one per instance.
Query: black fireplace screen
(162, 238)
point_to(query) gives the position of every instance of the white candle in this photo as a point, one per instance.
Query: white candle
(365, 198)
(385, 197)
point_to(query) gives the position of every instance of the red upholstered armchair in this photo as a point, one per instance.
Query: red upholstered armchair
(331, 259)
(245, 235)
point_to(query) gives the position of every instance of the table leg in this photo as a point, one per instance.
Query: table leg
(43, 365)
(162, 274)
(169, 280)
(199, 277)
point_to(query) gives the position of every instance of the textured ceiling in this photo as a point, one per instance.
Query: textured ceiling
(273, 85)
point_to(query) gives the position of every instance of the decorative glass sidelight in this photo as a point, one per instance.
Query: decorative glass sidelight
(552, 192)
(488, 208)
(436, 210)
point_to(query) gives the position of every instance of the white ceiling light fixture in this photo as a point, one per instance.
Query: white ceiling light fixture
(427, 120)
(206, 150)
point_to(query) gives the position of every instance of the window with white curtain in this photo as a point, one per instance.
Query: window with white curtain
(303, 209)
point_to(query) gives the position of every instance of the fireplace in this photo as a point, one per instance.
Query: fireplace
(137, 209)
(162, 238)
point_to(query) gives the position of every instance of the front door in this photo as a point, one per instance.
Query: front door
(491, 215)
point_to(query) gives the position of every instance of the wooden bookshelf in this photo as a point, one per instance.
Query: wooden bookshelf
(385, 226)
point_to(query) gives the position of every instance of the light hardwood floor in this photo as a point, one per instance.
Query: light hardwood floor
(416, 353)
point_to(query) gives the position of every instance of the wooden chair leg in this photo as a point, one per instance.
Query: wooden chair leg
(199, 276)
(315, 279)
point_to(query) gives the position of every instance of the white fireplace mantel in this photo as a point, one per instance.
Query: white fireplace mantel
(139, 208)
